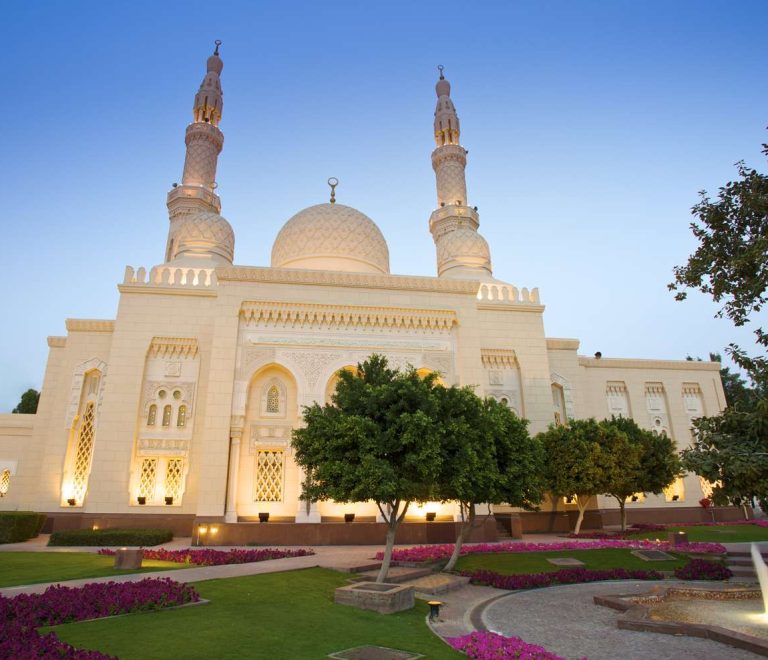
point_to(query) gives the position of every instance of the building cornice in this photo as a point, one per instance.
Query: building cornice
(173, 347)
(559, 344)
(625, 363)
(498, 358)
(90, 325)
(344, 279)
(272, 313)
(57, 342)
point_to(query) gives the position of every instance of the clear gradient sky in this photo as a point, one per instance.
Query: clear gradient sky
(591, 126)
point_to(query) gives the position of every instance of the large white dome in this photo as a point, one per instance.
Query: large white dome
(331, 237)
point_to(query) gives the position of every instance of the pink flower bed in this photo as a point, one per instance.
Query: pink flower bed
(564, 576)
(210, 557)
(22, 614)
(484, 645)
(424, 553)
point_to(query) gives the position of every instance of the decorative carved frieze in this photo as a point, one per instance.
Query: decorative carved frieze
(170, 347)
(311, 363)
(163, 446)
(57, 342)
(310, 315)
(152, 387)
(173, 369)
(269, 435)
(498, 358)
(90, 325)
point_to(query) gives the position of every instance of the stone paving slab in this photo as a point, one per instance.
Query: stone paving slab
(564, 620)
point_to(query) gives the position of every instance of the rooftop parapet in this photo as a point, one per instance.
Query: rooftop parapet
(498, 292)
(171, 276)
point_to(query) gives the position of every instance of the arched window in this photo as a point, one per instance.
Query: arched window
(181, 418)
(5, 482)
(273, 399)
(152, 415)
(84, 453)
(167, 416)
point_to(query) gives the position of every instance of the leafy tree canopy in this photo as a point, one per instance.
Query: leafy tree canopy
(487, 457)
(378, 440)
(738, 392)
(646, 462)
(731, 451)
(28, 403)
(576, 462)
(731, 261)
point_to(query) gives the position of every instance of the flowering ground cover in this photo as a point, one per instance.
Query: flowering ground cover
(424, 553)
(484, 645)
(275, 615)
(522, 563)
(562, 576)
(701, 569)
(211, 557)
(35, 567)
(22, 615)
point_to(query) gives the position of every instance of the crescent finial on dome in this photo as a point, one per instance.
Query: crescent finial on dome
(333, 182)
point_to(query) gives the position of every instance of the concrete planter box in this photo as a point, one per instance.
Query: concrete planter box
(381, 597)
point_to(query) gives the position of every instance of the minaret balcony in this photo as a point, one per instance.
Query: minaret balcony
(451, 216)
(193, 196)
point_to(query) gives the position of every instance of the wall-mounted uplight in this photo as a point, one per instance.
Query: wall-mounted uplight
(71, 501)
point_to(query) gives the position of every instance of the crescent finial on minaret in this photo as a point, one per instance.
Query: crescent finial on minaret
(218, 43)
(441, 68)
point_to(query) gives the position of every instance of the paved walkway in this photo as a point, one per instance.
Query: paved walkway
(564, 620)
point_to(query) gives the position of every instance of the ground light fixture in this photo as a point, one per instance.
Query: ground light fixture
(71, 501)
(431, 515)
(202, 530)
(434, 609)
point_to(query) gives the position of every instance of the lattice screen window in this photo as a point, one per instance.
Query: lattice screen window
(5, 482)
(173, 478)
(83, 454)
(273, 400)
(269, 475)
(148, 477)
(706, 487)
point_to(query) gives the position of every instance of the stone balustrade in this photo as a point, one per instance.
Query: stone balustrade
(171, 276)
(498, 292)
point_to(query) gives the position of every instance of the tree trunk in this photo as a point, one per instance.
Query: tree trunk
(553, 515)
(393, 521)
(466, 527)
(582, 504)
(391, 530)
(622, 511)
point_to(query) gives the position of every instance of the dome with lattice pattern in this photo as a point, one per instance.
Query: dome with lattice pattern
(463, 250)
(331, 237)
(204, 235)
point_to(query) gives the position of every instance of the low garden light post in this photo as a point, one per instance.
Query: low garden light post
(434, 609)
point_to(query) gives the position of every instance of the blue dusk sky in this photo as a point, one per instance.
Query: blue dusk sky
(591, 127)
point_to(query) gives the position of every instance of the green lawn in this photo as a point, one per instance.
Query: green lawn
(277, 615)
(725, 534)
(33, 567)
(518, 563)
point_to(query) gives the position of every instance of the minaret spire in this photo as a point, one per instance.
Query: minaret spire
(461, 251)
(196, 194)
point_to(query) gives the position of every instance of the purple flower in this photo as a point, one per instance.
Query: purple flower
(210, 557)
(564, 576)
(484, 645)
(701, 569)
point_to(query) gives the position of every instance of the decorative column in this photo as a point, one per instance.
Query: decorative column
(235, 435)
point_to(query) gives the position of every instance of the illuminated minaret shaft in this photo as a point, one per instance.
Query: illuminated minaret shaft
(461, 251)
(204, 142)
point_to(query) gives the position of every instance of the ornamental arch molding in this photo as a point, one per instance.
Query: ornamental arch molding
(76, 390)
(565, 384)
(242, 390)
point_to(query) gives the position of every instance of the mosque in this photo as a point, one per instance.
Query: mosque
(178, 412)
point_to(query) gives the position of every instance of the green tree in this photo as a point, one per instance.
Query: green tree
(575, 462)
(738, 393)
(28, 403)
(487, 457)
(645, 462)
(731, 451)
(731, 261)
(378, 440)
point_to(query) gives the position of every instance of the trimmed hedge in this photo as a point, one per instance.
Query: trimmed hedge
(17, 526)
(141, 537)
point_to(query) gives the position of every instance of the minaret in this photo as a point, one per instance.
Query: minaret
(193, 205)
(461, 251)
